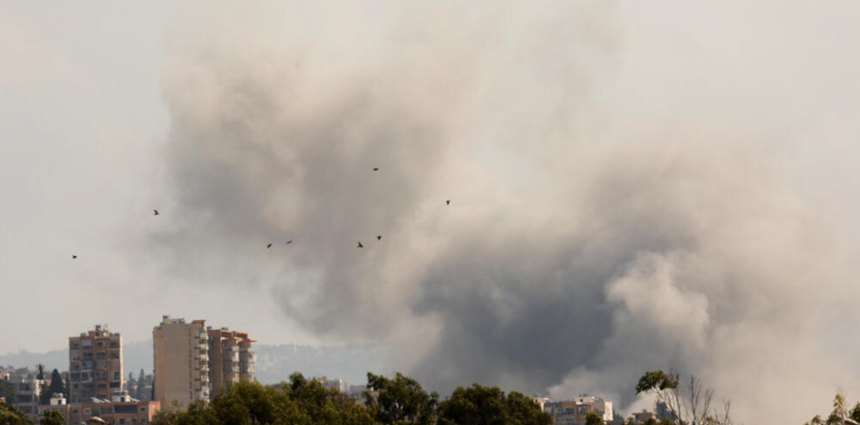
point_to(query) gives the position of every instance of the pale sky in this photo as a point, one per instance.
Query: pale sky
(635, 185)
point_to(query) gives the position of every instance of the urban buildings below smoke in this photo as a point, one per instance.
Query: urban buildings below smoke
(193, 362)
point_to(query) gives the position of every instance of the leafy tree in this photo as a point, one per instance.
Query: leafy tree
(8, 392)
(10, 415)
(837, 416)
(855, 413)
(522, 410)
(816, 420)
(401, 400)
(53, 417)
(476, 405)
(592, 418)
(479, 405)
(839, 413)
(690, 407)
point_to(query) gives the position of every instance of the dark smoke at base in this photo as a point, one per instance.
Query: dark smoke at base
(576, 253)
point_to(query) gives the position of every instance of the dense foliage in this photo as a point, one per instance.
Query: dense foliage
(9, 415)
(479, 405)
(8, 392)
(400, 401)
(53, 417)
(839, 414)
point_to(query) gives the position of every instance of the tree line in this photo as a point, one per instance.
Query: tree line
(398, 401)
(402, 401)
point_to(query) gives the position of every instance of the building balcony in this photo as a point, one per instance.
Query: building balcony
(203, 357)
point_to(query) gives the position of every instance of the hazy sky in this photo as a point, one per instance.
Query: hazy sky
(634, 185)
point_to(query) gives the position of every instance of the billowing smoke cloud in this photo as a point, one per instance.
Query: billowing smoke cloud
(603, 221)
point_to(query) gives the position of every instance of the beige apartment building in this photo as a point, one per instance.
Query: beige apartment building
(181, 352)
(231, 358)
(193, 362)
(95, 364)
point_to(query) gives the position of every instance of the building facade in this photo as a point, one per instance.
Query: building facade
(568, 412)
(231, 358)
(194, 362)
(119, 410)
(181, 352)
(573, 412)
(28, 388)
(95, 364)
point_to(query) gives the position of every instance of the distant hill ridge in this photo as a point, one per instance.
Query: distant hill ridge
(274, 362)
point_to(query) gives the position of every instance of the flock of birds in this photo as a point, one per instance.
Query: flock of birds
(360, 245)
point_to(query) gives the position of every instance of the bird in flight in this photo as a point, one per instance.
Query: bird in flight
(447, 202)
(268, 246)
(360, 245)
(375, 168)
(74, 256)
(379, 238)
(289, 242)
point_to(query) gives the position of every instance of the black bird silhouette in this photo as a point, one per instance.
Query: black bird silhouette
(268, 246)
(289, 242)
(74, 256)
(360, 245)
(375, 168)
(448, 202)
(379, 238)
(154, 212)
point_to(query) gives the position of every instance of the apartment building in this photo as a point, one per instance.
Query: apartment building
(181, 352)
(194, 362)
(95, 364)
(573, 412)
(27, 386)
(568, 412)
(231, 358)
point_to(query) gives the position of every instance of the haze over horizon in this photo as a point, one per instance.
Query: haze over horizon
(633, 186)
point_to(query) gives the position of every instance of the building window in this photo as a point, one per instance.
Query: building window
(121, 420)
(100, 344)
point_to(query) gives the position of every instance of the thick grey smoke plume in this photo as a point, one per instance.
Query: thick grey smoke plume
(620, 203)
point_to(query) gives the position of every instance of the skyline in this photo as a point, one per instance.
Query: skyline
(632, 186)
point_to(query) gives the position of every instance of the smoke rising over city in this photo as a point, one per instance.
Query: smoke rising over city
(608, 215)
(632, 187)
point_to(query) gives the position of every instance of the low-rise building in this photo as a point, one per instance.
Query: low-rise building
(121, 409)
(643, 416)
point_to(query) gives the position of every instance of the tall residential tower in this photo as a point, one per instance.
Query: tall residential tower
(193, 362)
(95, 364)
(231, 358)
(181, 353)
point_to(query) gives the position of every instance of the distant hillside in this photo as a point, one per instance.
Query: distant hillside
(275, 363)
